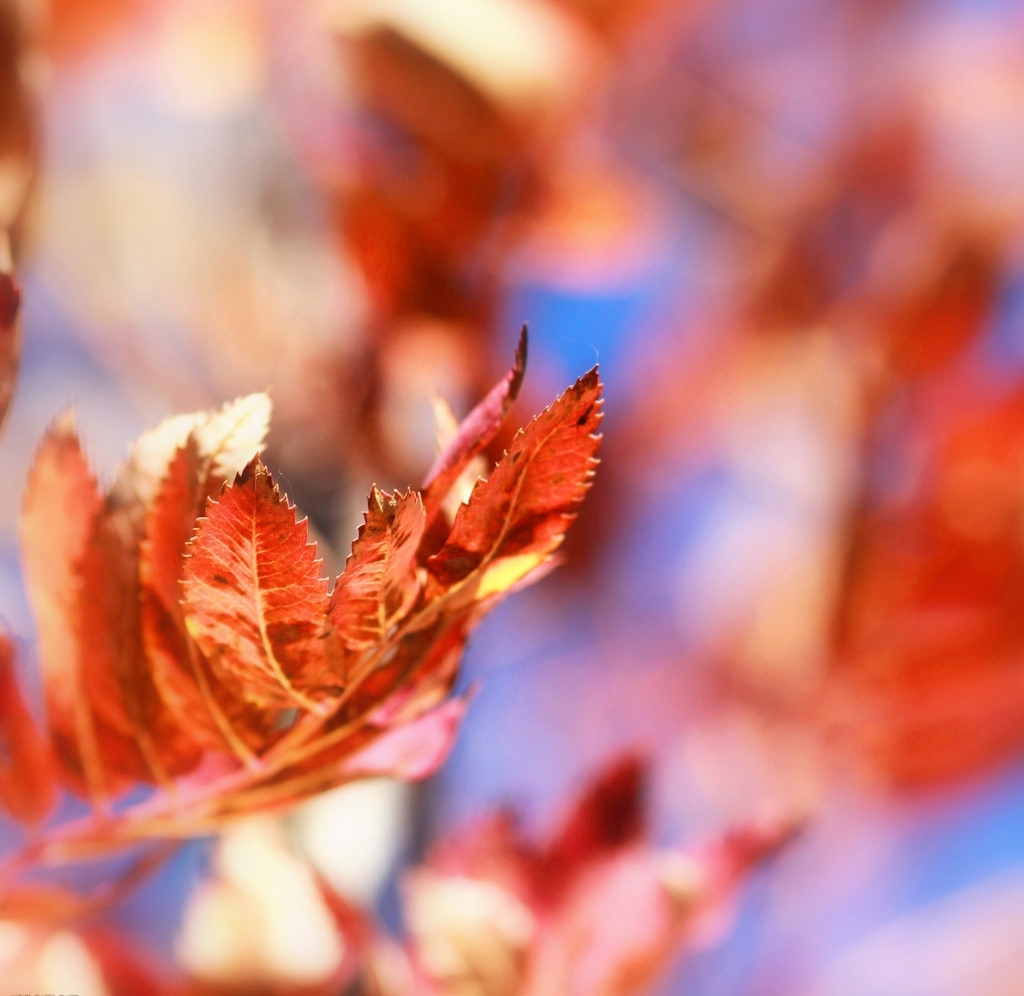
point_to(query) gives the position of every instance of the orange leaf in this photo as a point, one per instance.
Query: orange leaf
(109, 727)
(515, 519)
(608, 815)
(379, 583)
(254, 596)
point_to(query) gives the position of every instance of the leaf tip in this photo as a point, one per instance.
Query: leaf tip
(518, 371)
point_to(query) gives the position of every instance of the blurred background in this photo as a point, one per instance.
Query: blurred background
(792, 235)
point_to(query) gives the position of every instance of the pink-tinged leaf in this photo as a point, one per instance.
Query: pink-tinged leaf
(60, 508)
(739, 851)
(474, 433)
(517, 517)
(379, 584)
(412, 751)
(28, 786)
(704, 882)
(10, 305)
(615, 932)
(254, 596)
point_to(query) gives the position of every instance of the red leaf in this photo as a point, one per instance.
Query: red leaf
(27, 783)
(517, 517)
(109, 726)
(379, 584)
(215, 719)
(609, 815)
(475, 432)
(255, 599)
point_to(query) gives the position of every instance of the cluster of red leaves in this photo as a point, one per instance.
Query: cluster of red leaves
(596, 909)
(188, 640)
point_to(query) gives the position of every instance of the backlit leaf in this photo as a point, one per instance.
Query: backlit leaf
(517, 517)
(255, 598)
(178, 668)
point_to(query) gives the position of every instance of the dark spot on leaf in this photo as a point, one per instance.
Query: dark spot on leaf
(288, 632)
